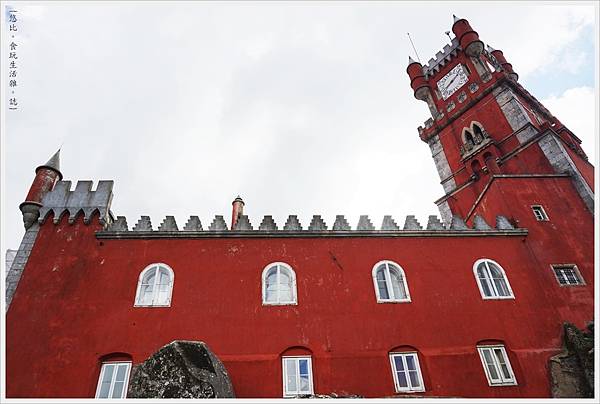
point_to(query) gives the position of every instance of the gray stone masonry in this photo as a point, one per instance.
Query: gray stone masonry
(169, 224)
(268, 224)
(119, 225)
(514, 112)
(364, 223)
(292, 224)
(441, 164)
(61, 199)
(243, 223)
(479, 223)
(144, 224)
(218, 224)
(433, 223)
(317, 224)
(318, 227)
(16, 270)
(560, 160)
(389, 224)
(411, 223)
(457, 223)
(341, 223)
(193, 224)
(441, 58)
(502, 223)
(445, 211)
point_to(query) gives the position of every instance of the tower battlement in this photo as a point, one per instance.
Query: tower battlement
(82, 199)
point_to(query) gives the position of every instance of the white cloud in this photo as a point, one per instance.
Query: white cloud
(302, 108)
(575, 108)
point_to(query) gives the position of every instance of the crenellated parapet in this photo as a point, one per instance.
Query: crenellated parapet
(82, 199)
(317, 227)
(442, 58)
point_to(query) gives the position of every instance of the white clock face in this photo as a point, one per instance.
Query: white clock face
(452, 81)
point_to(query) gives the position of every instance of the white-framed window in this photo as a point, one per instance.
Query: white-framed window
(155, 286)
(113, 380)
(297, 375)
(279, 284)
(390, 283)
(567, 275)
(496, 365)
(406, 372)
(539, 213)
(492, 280)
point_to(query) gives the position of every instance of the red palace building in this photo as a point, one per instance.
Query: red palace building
(471, 305)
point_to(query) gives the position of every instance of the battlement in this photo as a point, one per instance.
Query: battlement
(441, 58)
(317, 227)
(82, 199)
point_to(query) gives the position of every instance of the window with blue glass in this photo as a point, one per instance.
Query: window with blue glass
(297, 375)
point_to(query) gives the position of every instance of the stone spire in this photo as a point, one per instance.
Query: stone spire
(53, 163)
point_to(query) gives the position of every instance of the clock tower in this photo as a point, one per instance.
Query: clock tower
(485, 128)
(499, 151)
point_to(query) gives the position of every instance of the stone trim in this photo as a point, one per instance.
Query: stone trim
(16, 269)
(103, 235)
(560, 160)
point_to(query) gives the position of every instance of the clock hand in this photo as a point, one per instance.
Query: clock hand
(452, 81)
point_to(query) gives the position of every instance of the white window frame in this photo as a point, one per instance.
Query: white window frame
(279, 302)
(496, 295)
(540, 213)
(112, 381)
(155, 291)
(501, 380)
(388, 282)
(296, 360)
(410, 388)
(575, 270)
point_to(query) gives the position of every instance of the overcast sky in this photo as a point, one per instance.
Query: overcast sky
(301, 108)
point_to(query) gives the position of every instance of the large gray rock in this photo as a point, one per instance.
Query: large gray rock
(572, 370)
(181, 369)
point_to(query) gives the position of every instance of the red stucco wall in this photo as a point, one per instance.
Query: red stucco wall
(75, 304)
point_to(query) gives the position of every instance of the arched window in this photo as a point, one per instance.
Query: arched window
(114, 375)
(492, 280)
(478, 135)
(155, 286)
(279, 284)
(390, 283)
(469, 142)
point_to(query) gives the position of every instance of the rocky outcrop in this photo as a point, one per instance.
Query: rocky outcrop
(572, 371)
(181, 369)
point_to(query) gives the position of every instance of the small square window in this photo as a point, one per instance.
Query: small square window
(406, 372)
(297, 376)
(567, 275)
(539, 213)
(496, 365)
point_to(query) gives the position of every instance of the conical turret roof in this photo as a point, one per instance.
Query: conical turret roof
(53, 163)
